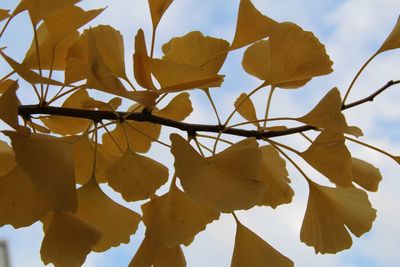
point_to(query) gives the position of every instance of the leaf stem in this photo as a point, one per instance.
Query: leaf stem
(207, 92)
(267, 108)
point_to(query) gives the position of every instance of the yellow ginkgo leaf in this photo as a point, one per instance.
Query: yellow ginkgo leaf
(178, 109)
(275, 177)
(21, 205)
(327, 115)
(48, 162)
(135, 176)
(250, 250)
(330, 212)
(65, 125)
(174, 77)
(148, 255)
(329, 155)
(366, 175)
(4, 14)
(9, 105)
(83, 152)
(7, 158)
(116, 222)
(257, 60)
(157, 10)
(296, 55)
(142, 63)
(68, 240)
(245, 107)
(4, 85)
(37, 127)
(40, 9)
(181, 219)
(27, 74)
(229, 180)
(393, 40)
(197, 50)
(64, 21)
(251, 25)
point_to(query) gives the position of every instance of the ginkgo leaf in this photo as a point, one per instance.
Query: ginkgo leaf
(148, 255)
(83, 154)
(9, 105)
(4, 14)
(4, 85)
(65, 125)
(393, 40)
(21, 205)
(245, 107)
(250, 250)
(178, 109)
(329, 155)
(7, 158)
(329, 210)
(296, 55)
(182, 219)
(40, 9)
(38, 128)
(366, 175)
(116, 222)
(251, 25)
(68, 240)
(174, 77)
(275, 177)
(157, 10)
(48, 162)
(142, 63)
(64, 21)
(135, 176)
(257, 60)
(229, 180)
(327, 115)
(27, 74)
(197, 50)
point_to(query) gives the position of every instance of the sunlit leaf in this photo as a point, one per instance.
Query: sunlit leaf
(275, 177)
(65, 125)
(228, 181)
(68, 240)
(251, 25)
(9, 105)
(251, 250)
(366, 175)
(393, 40)
(27, 74)
(330, 213)
(116, 222)
(4, 14)
(329, 155)
(257, 60)
(245, 107)
(197, 50)
(142, 63)
(157, 10)
(48, 162)
(20, 204)
(178, 109)
(181, 219)
(136, 177)
(327, 115)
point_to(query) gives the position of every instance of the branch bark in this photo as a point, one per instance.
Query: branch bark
(27, 110)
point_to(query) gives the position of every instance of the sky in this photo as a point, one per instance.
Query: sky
(352, 31)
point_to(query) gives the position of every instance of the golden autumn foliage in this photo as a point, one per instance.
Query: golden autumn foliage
(52, 165)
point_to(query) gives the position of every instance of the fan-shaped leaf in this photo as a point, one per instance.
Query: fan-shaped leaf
(142, 63)
(7, 158)
(393, 40)
(157, 10)
(366, 175)
(9, 105)
(178, 109)
(245, 107)
(4, 14)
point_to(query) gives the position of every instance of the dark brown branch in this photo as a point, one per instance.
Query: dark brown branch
(27, 110)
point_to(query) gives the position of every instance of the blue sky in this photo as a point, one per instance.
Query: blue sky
(352, 30)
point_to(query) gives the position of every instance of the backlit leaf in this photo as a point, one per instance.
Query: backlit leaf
(142, 63)
(393, 40)
(9, 105)
(257, 60)
(330, 213)
(136, 177)
(157, 10)
(7, 158)
(114, 221)
(366, 175)
(52, 172)
(329, 155)
(4, 14)
(251, 25)
(251, 250)
(245, 107)
(68, 240)
(178, 109)
(228, 181)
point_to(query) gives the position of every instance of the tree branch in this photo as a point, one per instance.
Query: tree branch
(98, 115)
